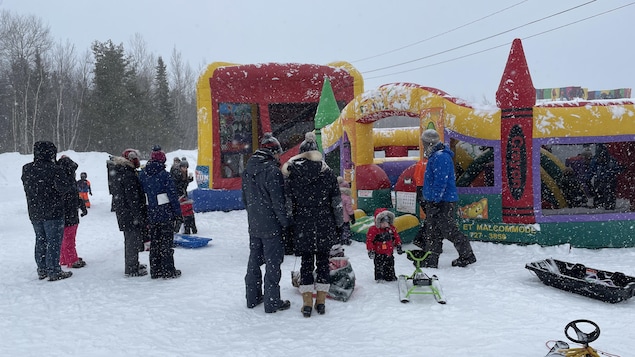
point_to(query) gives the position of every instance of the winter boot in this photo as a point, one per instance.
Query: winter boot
(431, 261)
(320, 300)
(464, 261)
(307, 299)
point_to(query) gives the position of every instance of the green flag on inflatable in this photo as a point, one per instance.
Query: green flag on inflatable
(327, 111)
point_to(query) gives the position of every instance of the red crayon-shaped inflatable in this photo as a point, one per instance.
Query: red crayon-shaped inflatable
(516, 96)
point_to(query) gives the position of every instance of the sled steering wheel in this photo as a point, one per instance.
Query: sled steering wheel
(582, 337)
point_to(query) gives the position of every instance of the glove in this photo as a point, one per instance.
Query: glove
(84, 212)
(352, 217)
(371, 254)
(399, 250)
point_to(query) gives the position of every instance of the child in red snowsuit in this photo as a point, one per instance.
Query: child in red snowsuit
(381, 239)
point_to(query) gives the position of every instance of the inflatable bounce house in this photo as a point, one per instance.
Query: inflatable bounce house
(238, 103)
(547, 173)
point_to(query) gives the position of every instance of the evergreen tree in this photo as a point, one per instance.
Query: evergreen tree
(112, 110)
(166, 124)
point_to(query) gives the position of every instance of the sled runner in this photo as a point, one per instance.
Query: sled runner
(598, 284)
(419, 282)
(190, 241)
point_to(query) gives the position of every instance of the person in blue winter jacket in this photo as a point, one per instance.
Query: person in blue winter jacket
(164, 212)
(439, 200)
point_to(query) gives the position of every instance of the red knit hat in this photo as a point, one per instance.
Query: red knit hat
(157, 154)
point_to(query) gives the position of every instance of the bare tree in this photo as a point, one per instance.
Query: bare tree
(70, 83)
(141, 61)
(23, 41)
(184, 97)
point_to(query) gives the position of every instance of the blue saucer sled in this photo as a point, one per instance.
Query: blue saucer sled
(190, 241)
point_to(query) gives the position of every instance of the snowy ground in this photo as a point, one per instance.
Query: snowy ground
(495, 307)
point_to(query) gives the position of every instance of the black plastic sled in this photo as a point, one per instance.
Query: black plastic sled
(598, 284)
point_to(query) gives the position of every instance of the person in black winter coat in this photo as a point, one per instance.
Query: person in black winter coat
(45, 186)
(316, 207)
(72, 204)
(129, 204)
(182, 180)
(164, 213)
(264, 199)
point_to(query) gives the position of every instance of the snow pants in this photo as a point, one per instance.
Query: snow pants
(161, 252)
(133, 244)
(441, 224)
(270, 252)
(68, 252)
(384, 267)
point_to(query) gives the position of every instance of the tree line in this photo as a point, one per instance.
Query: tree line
(105, 99)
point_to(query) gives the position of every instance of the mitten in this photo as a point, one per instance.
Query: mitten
(399, 250)
(352, 217)
(371, 254)
(84, 212)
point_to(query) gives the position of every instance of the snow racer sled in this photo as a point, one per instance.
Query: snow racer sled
(562, 349)
(419, 282)
(598, 284)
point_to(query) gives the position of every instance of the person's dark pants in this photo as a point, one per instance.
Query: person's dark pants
(268, 251)
(161, 252)
(48, 242)
(347, 234)
(133, 244)
(189, 225)
(384, 267)
(441, 224)
(318, 262)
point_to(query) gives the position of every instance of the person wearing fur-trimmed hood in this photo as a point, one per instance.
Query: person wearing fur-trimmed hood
(381, 240)
(129, 204)
(316, 208)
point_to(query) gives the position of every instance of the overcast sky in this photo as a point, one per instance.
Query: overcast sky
(419, 41)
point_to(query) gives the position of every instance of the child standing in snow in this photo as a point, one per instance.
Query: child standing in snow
(382, 238)
(83, 185)
(72, 204)
(347, 210)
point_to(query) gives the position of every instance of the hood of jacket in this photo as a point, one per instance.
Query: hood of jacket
(44, 151)
(68, 165)
(154, 167)
(120, 161)
(441, 147)
(306, 166)
(260, 157)
(381, 213)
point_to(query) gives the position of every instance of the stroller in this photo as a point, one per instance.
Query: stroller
(419, 282)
